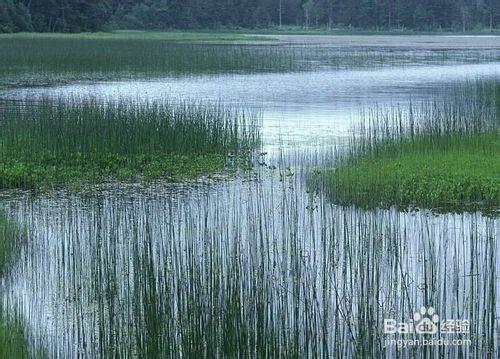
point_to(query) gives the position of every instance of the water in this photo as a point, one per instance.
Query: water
(299, 109)
(260, 265)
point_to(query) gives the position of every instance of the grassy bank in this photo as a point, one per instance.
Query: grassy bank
(443, 157)
(69, 142)
(463, 175)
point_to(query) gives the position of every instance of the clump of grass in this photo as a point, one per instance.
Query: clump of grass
(445, 157)
(48, 143)
(12, 342)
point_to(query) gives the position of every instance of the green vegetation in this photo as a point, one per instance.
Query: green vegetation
(140, 35)
(69, 142)
(447, 157)
(12, 342)
(425, 174)
(27, 60)
(7, 232)
(47, 59)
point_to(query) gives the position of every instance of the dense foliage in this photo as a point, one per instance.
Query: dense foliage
(91, 15)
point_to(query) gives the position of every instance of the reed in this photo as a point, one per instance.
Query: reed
(49, 143)
(46, 59)
(12, 341)
(250, 268)
(444, 156)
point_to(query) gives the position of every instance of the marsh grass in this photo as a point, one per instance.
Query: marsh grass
(12, 341)
(444, 156)
(49, 60)
(9, 232)
(250, 269)
(49, 143)
(141, 35)
(46, 59)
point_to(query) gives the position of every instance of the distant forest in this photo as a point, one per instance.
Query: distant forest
(93, 15)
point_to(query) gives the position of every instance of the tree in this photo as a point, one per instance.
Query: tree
(311, 11)
(420, 17)
(92, 15)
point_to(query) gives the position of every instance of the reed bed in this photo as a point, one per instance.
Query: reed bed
(443, 155)
(248, 269)
(39, 61)
(43, 60)
(52, 142)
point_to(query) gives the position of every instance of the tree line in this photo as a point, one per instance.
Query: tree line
(93, 15)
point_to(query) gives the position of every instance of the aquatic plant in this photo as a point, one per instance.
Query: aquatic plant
(444, 156)
(50, 143)
(12, 342)
(250, 268)
(41, 59)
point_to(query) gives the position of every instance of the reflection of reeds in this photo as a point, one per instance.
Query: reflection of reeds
(8, 235)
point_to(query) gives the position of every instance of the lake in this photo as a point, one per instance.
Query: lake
(259, 264)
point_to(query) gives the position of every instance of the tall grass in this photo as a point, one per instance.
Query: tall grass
(41, 60)
(7, 232)
(250, 269)
(442, 154)
(78, 137)
(12, 342)
(52, 60)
